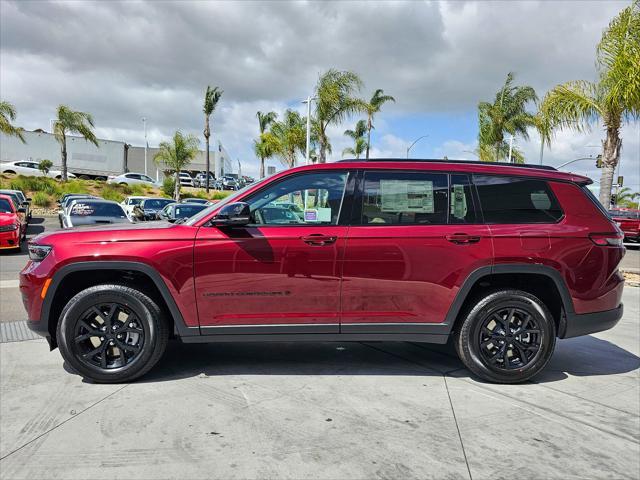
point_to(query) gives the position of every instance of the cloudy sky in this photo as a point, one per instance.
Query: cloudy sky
(125, 60)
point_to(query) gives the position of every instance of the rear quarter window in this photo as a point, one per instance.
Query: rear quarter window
(516, 200)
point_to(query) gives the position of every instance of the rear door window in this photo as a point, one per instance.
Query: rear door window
(516, 200)
(404, 198)
(461, 203)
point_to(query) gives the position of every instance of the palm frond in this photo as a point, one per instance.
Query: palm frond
(573, 104)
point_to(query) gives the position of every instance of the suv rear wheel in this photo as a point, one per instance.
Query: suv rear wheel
(507, 337)
(112, 333)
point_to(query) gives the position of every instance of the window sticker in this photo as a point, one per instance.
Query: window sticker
(406, 196)
(311, 215)
(458, 202)
(82, 209)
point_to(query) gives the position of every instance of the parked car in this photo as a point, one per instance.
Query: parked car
(13, 225)
(226, 183)
(30, 168)
(133, 178)
(129, 203)
(501, 258)
(20, 201)
(148, 208)
(200, 180)
(65, 202)
(176, 211)
(93, 211)
(201, 201)
(629, 221)
(186, 180)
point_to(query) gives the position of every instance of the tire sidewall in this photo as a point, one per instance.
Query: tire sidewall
(84, 300)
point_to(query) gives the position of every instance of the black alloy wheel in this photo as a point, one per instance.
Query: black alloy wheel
(109, 335)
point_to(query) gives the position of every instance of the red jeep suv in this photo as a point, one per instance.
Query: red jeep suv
(500, 258)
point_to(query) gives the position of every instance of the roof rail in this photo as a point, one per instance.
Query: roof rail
(440, 160)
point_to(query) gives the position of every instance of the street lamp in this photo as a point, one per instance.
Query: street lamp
(575, 160)
(308, 102)
(144, 123)
(415, 141)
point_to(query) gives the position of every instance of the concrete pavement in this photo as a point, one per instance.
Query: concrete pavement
(323, 410)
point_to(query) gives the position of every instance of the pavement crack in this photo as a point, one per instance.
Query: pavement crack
(63, 422)
(455, 419)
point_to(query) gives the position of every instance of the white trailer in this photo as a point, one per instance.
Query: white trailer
(84, 159)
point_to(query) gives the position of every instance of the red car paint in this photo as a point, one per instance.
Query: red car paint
(629, 221)
(10, 217)
(366, 278)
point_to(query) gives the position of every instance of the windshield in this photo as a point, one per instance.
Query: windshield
(156, 204)
(625, 214)
(229, 199)
(135, 201)
(5, 206)
(186, 211)
(84, 209)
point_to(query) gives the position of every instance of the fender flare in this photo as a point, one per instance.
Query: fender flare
(181, 328)
(511, 268)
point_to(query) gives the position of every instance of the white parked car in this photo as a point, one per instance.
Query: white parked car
(129, 202)
(28, 167)
(132, 178)
(186, 180)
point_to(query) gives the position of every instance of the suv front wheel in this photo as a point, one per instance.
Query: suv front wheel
(112, 333)
(507, 337)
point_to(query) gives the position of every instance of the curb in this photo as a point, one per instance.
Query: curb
(16, 332)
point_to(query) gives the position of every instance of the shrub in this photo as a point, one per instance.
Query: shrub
(45, 165)
(41, 199)
(35, 184)
(220, 194)
(112, 192)
(137, 189)
(168, 186)
(74, 186)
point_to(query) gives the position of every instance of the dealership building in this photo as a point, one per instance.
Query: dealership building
(108, 158)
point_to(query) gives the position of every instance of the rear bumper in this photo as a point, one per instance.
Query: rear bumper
(575, 325)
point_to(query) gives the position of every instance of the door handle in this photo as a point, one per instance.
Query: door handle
(318, 239)
(462, 238)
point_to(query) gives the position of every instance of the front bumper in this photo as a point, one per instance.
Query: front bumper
(10, 239)
(575, 325)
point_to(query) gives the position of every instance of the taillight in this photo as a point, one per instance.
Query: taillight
(606, 239)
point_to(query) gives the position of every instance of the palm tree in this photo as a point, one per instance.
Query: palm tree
(335, 92)
(626, 197)
(260, 147)
(211, 99)
(507, 114)
(7, 115)
(176, 155)
(287, 138)
(614, 99)
(357, 135)
(69, 122)
(375, 104)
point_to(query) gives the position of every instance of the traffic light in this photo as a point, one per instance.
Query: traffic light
(614, 199)
(620, 181)
(599, 161)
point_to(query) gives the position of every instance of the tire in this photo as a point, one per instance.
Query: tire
(143, 333)
(483, 344)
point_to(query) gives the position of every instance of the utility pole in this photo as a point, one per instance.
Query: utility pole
(308, 102)
(415, 141)
(239, 170)
(144, 123)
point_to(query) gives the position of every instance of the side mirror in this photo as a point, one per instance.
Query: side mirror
(233, 215)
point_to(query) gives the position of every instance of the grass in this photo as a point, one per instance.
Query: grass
(46, 191)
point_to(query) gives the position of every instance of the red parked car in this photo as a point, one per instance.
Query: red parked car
(501, 258)
(13, 224)
(629, 221)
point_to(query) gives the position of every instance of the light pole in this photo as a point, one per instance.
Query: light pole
(308, 102)
(144, 123)
(510, 147)
(470, 151)
(414, 142)
(575, 160)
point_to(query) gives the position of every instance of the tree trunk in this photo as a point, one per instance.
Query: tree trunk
(322, 158)
(498, 151)
(176, 188)
(261, 167)
(610, 155)
(207, 134)
(64, 157)
(368, 136)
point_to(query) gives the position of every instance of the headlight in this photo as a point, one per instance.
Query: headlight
(37, 253)
(9, 228)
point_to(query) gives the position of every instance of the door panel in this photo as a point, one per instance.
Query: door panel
(269, 276)
(407, 274)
